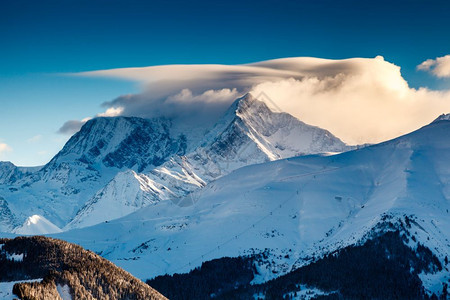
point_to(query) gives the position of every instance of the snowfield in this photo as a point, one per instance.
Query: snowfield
(154, 202)
(115, 166)
(296, 209)
(248, 133)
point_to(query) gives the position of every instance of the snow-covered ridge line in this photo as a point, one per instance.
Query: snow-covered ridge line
(443, 117)
(248, 133)
(88, 161)
(296, 208)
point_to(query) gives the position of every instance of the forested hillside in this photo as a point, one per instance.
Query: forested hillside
(65, 266)
(381, 268)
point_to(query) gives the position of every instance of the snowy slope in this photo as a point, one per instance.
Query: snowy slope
(121, 142)
(36, 225)
(89, 160)
(124, 194)
(9, 173)
(303, 206)
(443, 117)
(7, 218)
(114, 166)
(248, 133)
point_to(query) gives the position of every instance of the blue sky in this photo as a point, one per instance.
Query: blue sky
(40, 40)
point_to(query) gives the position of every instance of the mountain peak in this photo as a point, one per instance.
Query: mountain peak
(37, 224)
(246, 98)
(250, 102)
(7, 164)
(120, 142)
(247, 101)
(443, 117)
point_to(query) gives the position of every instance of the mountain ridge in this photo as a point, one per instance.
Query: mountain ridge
(58, 189)
(248, 133)
(297, 209)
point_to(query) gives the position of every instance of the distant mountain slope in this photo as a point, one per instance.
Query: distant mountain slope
(37, 225)
(297, 209)
(65, 267)
(248, 133)
(9, 173)
(7, 218)
(121, 142)
(89, 160)
(114, 166)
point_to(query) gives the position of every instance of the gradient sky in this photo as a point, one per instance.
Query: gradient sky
(40, 40)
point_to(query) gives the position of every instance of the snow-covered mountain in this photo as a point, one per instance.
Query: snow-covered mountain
(9, 173)
(294, 210)
(114, 166)
(7, 218)
(248, 133)
(121, 142)
(124, 194)
(443, 117)
(35, 225)
(88, 161)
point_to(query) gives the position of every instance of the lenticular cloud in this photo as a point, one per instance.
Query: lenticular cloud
(360, 100)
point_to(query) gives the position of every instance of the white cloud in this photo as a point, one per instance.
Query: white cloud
(426, 65)
(72, 126)
(111, 112)
(360, 100)
(35, 139)
(183, 107)
(4, 148)
(355, 109)
(439, 67)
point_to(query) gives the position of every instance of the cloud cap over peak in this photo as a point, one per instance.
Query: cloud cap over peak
(361, 100)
